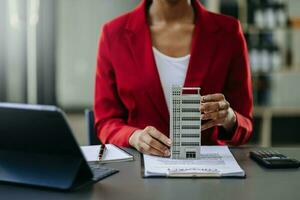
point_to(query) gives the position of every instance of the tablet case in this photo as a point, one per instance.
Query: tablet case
(37, 148)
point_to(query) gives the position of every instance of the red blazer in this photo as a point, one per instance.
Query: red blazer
(128, 92)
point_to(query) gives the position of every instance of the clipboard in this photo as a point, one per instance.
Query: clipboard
(183, 174)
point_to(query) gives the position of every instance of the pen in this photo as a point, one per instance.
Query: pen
(101, 152)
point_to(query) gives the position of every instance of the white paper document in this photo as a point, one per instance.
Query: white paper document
(112, 153)
(215, 161)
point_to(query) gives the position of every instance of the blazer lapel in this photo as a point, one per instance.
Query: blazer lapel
(139, 40)
(203, 48)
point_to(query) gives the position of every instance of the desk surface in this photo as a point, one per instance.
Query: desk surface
(128, 184)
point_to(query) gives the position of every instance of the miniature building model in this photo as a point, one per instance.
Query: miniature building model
(185, 123)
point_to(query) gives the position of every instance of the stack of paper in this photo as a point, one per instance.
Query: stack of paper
(215, 161)
(112, 154)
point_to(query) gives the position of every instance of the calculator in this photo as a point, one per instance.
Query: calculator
(273, 159)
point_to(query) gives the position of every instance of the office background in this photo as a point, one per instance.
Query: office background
(48, 56)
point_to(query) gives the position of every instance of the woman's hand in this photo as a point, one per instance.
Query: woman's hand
(150, 141)
(217, 110)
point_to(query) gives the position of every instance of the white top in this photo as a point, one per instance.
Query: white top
(172, 71)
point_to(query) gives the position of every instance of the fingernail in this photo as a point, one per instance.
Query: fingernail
(169, 142)
(202, 98)
(167, 153)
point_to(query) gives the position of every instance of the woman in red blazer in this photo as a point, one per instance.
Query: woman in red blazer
(130, 105)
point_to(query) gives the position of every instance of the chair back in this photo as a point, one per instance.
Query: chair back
(90, 124)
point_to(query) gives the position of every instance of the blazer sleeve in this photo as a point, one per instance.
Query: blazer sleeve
(110, 113)
(238, 92)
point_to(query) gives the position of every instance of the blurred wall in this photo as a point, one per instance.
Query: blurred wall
(78, 24)
(13, 47)
(285, 86)
(294, 11)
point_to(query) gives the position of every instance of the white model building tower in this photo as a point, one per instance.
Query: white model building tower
(185, 123)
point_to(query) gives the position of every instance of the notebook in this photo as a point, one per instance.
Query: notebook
(215, 161)
(112, 154)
